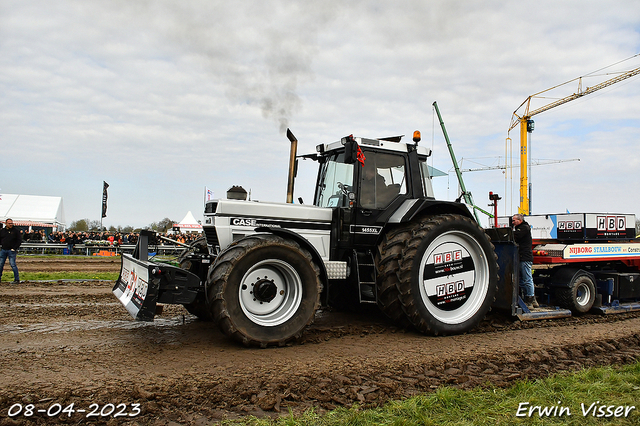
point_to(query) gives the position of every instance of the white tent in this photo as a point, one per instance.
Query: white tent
(33, 210)
(188, 224)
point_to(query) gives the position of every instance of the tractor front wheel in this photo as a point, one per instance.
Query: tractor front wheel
(264, 290)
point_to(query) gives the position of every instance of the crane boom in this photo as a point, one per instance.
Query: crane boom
(580, 93)
(525, 118)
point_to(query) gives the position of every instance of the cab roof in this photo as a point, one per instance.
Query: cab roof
(384, 144)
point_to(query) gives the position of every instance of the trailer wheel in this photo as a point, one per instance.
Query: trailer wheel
(387, 258)
(199, 306)
(448, 275)
(579, 296)
(264, 290)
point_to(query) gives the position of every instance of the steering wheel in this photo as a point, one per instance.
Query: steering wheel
(344, 188)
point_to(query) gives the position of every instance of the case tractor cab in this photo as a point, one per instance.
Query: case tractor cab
(374, 234)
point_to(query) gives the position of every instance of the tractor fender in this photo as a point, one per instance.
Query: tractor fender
(304, 243)
(418, 207)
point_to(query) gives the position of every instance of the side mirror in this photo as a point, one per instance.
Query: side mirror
(350, 149)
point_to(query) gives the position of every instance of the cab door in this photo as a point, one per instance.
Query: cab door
(381, 183)
(335, 190)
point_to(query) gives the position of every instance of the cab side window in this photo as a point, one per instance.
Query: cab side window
(382, 178)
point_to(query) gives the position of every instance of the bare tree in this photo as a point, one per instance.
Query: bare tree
(79, 225)
(163, 225)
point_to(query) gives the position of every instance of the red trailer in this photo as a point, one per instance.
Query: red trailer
(584, 262)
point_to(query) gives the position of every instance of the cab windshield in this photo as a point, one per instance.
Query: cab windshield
(335, 181)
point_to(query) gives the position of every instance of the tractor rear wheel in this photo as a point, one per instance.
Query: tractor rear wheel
(387, 259)
(448, 275)
(264, 290)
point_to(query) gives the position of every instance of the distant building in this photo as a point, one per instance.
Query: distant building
(33, 211)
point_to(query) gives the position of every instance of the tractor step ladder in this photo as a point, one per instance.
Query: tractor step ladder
(366, 268)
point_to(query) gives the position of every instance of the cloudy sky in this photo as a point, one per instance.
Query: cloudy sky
(161, 98)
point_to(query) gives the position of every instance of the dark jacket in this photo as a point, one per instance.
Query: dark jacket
(522, 236)
(10, 238)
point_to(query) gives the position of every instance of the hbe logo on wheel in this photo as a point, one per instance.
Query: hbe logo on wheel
(447, 257)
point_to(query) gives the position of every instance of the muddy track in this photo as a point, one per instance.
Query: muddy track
(63, 343)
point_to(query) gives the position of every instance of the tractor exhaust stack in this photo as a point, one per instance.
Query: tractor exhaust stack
(292, 165)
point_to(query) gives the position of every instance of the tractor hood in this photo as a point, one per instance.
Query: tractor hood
(266, 210)
(226, 221)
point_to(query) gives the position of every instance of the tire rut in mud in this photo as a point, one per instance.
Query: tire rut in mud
(189, 373)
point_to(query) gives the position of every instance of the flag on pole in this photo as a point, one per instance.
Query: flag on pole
(360, 156)
(105, 185)
(208, 194)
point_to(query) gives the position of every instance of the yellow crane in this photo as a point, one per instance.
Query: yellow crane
(526, 124)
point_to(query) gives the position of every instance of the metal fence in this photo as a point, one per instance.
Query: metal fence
(94, 250)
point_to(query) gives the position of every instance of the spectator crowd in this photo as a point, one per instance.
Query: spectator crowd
(106, 238)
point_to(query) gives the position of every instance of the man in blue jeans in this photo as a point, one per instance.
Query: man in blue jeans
(522, 236)
(10, 240)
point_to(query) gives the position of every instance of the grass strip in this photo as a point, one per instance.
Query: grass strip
(588, 397)
(61, 275)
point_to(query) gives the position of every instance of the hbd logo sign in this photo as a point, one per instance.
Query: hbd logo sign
(611, 223)
(569, 225)
(446, 257)
(450, 288)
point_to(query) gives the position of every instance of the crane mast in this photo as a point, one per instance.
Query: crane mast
(526, 124)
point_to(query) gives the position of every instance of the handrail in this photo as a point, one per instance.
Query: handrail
(88, 250)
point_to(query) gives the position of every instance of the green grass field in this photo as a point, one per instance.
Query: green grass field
(589, 397)
(7, 276)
